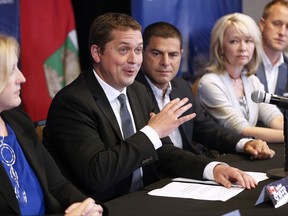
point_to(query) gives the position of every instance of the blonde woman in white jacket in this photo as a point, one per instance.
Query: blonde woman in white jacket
(225, 91)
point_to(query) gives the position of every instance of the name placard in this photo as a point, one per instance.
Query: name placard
(276, 191)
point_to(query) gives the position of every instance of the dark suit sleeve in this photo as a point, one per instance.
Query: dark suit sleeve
(210, 134)
(180, 163)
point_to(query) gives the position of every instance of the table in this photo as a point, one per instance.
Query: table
(140, 203)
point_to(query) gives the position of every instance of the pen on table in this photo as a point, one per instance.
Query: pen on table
(209, 183)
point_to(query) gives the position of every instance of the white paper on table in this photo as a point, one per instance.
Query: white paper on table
(202, 190)
(196, 191)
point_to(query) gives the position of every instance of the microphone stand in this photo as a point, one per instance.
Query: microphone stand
(279, 173)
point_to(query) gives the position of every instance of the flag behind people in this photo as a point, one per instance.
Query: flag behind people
(49, 52)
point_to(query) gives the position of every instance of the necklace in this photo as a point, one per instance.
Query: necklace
(8, 158)
(234, 78)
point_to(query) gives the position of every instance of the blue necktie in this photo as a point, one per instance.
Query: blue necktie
(127, 129)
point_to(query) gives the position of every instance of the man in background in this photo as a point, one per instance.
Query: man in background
(273, 71)
(162, 51)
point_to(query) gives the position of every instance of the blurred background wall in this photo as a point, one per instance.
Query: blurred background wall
(87, 10)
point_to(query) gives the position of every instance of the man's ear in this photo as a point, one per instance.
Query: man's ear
(95, 53)
(261, 24)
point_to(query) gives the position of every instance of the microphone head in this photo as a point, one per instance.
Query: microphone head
(258, 96)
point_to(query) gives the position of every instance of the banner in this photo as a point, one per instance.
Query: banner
(9, 18)
(49, 52)
(194, 19)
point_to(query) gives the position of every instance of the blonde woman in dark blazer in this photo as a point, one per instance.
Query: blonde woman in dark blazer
(30, 181)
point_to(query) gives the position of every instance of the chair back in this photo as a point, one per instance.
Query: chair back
(39, 125)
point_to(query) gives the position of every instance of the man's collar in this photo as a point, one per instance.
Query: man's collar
(110, 92)
(158, 91)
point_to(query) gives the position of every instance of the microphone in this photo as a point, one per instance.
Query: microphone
(259, 97)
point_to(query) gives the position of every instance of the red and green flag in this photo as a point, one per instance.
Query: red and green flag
(49, 52)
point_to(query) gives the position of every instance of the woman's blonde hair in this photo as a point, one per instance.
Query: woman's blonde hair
(9, 47)
(245, 25)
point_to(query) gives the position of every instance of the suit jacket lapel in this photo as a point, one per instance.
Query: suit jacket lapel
(185, 129)
(262, 76)
(141, 78)
(282, 80)
(175, 93)
(101, 100)
(30, 155)
(26, 144)
(135, 107)
(7, 190)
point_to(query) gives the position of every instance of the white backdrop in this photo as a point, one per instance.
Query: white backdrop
(254, 8)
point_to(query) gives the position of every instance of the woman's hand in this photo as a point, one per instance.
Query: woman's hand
(86, 208)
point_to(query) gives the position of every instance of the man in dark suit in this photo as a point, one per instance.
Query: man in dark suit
(161, 61)
(273, 71)
(83, 130)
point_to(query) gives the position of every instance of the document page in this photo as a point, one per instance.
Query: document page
(202, 190)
